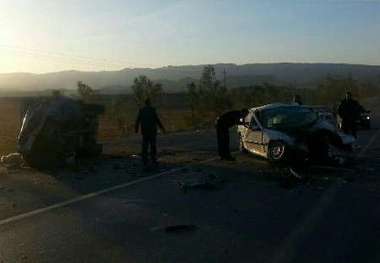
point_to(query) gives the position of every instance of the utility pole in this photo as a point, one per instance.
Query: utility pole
(225, 78)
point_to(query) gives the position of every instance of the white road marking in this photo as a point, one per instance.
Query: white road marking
(95, 194)
(124, 185)
(305, 228)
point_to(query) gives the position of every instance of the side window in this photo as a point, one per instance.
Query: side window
(253, 124)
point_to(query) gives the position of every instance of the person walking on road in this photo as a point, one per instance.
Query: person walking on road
(222, 124)
(349, 110)
(148, 120)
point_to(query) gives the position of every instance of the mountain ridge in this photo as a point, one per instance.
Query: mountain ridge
(175, 78)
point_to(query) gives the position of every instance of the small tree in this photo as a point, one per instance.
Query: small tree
(57, 93)
(193, 96)
(84, 91)
(143, 88)
(214, 96)
(119, 114)
(208, 78)
(209, 98)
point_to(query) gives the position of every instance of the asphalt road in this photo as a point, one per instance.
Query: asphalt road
(256, 213)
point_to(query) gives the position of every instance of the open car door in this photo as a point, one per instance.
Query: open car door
(253, 137)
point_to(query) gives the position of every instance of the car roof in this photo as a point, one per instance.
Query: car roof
(273, 106)
(322, 107)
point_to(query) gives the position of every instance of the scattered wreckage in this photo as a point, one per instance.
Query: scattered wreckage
(282, 132)
(59, 129)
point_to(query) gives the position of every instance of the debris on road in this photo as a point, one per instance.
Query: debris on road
(13, 160)
(291, 170)
(167, 153)
(333, 168)
(290, 179)
(208, 182)
(135, 156)
(175, 229)
(198, 185)
(180, 228)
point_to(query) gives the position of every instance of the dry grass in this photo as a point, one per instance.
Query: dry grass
(10, 121)
(173, 120)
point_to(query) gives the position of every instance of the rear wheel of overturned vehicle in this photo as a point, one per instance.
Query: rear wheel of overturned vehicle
(276, 151)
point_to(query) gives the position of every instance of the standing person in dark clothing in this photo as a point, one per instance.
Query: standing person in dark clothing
(349, 110)
(148, 120)
(222, 125)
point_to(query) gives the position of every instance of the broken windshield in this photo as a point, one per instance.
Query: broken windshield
(284, 118)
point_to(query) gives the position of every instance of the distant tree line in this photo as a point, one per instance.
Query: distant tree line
(209, 97)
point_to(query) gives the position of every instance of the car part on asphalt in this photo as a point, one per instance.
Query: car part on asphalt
(294, 173)
(209, 182)
(12, 160)
(180, 228)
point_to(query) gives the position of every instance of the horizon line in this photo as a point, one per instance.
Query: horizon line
(185, 65)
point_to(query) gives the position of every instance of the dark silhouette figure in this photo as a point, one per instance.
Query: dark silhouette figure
(223, 124)
(297, 100)
(349, 110)
(148, 120)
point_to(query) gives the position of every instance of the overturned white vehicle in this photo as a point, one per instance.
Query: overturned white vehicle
(282, 132)
(57, 129)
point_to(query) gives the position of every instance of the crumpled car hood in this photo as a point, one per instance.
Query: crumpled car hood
(300, 134)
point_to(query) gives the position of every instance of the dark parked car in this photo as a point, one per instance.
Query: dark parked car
(364, 121)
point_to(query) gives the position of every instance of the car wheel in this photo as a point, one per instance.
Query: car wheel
(242, 149)
(276, 151)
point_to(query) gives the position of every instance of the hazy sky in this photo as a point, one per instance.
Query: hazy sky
(52, 35)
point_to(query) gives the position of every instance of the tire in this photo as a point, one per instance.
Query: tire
(242, 149)
(277, 151)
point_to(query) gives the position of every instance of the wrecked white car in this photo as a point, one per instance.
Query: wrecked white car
(57, 129)
(282, 132)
